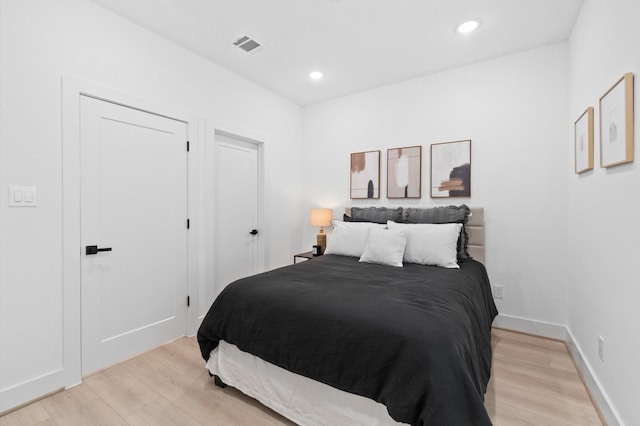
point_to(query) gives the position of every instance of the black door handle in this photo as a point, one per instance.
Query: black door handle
(254, 232)
(94, 249)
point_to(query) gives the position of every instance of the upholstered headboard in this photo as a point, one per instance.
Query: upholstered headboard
(475, 231)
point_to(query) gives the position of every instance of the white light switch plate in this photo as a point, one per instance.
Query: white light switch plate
(22, 196)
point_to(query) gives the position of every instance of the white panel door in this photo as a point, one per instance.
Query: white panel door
(134, 202)
(237, 213)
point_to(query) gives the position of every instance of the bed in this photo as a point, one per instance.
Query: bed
(337, 341)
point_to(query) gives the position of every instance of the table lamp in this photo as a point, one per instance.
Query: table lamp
(321, 217)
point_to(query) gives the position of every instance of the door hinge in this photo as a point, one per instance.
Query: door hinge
(188, 146)
(188, 301)
(188, 223)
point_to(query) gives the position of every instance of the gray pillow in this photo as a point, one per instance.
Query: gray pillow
(376, 214)
(444, 214)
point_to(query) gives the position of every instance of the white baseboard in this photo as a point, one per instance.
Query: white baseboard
(591, 382)
(538, 328)
(560, 332)
(31, 390)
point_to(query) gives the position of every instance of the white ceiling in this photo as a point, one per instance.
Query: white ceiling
(358, 44)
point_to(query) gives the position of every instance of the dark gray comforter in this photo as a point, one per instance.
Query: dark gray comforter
(417, 338)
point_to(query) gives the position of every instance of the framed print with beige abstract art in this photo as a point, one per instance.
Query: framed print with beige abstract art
(365, 174)
(616, 123)
(451, 169)
(404, 172)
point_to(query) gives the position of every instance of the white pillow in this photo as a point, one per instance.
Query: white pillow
(385, 246)
(349, 238)
(430, 243)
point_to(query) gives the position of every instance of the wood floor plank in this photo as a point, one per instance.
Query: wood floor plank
(534, 382)
(544, 388)
(211, 405)
(81, 406)
(32, 414)
(123, 391)
(161, 413)
(161, 375)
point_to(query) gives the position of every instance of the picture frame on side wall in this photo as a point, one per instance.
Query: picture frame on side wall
(616, 123)
(583, 141)
(404, 172)
(451, 169)
(365, 175)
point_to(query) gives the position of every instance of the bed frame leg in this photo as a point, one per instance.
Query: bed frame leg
(219, 383)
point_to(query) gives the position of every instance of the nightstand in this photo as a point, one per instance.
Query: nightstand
(305, 255)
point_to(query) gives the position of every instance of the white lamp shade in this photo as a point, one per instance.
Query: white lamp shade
(320, 217)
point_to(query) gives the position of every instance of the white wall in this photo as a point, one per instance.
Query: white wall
(40, 41)
(514, 110)
(603, 210)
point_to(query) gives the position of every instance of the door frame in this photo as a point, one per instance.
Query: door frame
(72, 89)
(260, 201)
(210, 150)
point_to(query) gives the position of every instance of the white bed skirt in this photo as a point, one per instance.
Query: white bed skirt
(300, 399)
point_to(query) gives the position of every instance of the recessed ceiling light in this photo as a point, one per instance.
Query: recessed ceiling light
(316, 75)
(467, 27)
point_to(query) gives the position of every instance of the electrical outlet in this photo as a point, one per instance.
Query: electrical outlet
(498, 291)
(601, 348)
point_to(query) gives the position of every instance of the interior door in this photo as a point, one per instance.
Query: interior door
(133, 231)
(237, 228)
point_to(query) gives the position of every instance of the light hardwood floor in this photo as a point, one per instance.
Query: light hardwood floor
(534, 382)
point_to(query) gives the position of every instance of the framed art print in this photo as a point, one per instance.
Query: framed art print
(451, 169)
(404, 172)
(616, 123)
(583, 141)
(365, 174)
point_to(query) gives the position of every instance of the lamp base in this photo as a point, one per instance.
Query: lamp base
(321, 239)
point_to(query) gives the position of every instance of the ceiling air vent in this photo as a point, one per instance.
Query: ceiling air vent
(249, 45)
